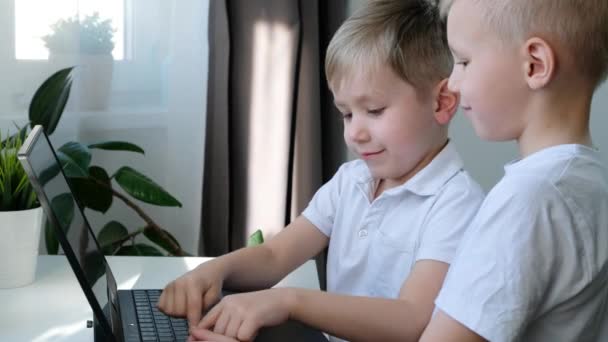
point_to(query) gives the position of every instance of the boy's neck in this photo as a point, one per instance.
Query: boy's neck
(555, 119)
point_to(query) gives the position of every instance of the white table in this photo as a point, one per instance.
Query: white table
(54, 308)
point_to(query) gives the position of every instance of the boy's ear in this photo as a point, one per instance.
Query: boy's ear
(446, 103)
(539, 63)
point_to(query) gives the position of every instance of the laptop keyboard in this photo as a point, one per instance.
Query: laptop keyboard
(155, 325)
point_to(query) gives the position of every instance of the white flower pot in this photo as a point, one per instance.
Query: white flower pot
(19, 241)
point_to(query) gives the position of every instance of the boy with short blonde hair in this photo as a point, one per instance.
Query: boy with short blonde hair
(391, 220)
(534, 264)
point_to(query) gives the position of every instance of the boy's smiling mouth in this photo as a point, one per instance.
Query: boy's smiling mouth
(368, 155)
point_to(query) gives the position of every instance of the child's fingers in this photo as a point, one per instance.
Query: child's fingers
(247, 331)
(194, 307)
(210, 318)
(163, 301)
(169, 306)
(222, 322)
(211, 296)
(232, 328)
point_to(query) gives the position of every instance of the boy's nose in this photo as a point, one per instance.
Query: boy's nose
(453, 82)
(357, 131)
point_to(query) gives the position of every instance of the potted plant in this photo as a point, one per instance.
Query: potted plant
(88, 43)
(20, 219)
(95, 187)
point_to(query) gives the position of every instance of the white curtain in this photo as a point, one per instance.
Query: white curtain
(156, 96)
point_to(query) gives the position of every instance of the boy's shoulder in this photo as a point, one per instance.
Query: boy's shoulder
(539, 234)
(565, 171)
(551, 196)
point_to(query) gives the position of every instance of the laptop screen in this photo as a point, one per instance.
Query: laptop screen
(78, 242)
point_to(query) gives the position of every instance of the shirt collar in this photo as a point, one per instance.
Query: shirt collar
(550, 153)
(430, 179)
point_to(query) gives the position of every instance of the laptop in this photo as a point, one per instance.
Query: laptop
(119, 315)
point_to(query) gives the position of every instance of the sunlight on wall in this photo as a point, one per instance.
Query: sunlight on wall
(33, 20)
(272, 59)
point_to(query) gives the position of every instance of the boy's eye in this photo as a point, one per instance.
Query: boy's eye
(347, 116)
(463, 63)
(376, 111)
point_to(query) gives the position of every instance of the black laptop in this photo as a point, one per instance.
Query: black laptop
(119, 315)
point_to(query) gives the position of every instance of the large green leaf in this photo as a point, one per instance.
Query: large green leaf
(94, 266)
(94, 192)
(49, 173)
(156, 236)
(143, 188)
(63, 207)
(139, 249)
(49, 100)
(118, 146)
(75, 159)
(109, 235)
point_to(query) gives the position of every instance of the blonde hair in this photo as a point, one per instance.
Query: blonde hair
(407, 35)
(579, 27)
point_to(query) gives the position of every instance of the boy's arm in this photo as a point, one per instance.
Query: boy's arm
(245, 269)
(350, 317)
(265, 265)
(375, 319)
(444, 328)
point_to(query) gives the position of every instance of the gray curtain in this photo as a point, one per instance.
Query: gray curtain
(272, 137)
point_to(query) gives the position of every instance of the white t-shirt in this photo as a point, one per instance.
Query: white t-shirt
(374, 243)
(533, 266)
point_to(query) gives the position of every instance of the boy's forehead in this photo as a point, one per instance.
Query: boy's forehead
(464, 20)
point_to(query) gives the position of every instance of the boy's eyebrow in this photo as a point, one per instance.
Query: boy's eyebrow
(360, 99)
(454, 50)
(338, 104)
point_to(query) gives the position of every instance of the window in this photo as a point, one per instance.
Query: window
(33, 20)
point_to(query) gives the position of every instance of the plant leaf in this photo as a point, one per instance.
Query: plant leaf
(50, 239)
(156, 237)
(139, 249)
(95, 191)
(257, 238)
(111, 233)
(143, 188)
(118, 146)
(17, 137)
(49, 100)
(63, 205)
(49, 173)
(93, 267)
(75, 159)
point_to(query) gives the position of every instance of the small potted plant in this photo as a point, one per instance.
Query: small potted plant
(86, 42)
(91, 35)
(20, 219)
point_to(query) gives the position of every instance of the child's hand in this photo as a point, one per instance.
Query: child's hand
(192, 293)
(241, 315)
(204, 335)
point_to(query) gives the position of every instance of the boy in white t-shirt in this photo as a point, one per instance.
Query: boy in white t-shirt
(533, 266)
(392, 219)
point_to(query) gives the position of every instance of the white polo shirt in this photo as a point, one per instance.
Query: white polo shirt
(534, 265)
(374, 243)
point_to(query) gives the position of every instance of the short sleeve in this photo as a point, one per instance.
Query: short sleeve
(321, 211)
(449, 219)
(511, 263)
